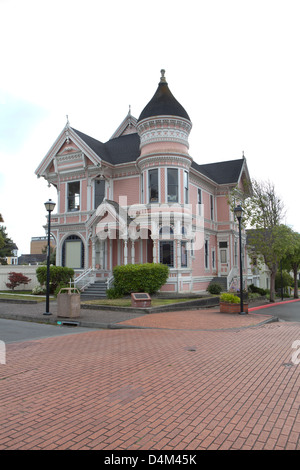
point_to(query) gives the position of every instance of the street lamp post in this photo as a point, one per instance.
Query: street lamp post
(239, 212)
(49, 207)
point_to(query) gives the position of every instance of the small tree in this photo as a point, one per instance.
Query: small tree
(16, 279)
(291, 261)
(263, 209)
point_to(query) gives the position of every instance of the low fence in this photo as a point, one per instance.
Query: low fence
(28, 271)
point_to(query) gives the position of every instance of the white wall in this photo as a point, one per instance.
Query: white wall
(29, 271)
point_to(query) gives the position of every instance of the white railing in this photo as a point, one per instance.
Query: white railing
(85, 279)
(109, 282)
(233, 273)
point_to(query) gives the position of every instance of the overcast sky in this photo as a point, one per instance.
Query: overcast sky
(232, 64)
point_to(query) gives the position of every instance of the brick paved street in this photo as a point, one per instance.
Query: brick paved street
(167, 389)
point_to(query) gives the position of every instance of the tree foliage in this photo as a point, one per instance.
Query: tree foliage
(291, 261)
(268, 239)
(6, 245)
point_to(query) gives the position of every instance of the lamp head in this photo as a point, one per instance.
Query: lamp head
(238, 212)
(49, 205)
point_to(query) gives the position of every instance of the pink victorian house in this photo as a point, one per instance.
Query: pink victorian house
(141, 197)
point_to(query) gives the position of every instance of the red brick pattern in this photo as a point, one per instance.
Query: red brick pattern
(153, 389)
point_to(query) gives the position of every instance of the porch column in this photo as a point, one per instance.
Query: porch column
(132, 251)
(101, 254)
(125, 252)
(154, 251)
(178, 245)
(93, 253)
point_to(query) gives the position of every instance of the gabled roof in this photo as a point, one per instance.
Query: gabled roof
(227, 172)
(123, 149)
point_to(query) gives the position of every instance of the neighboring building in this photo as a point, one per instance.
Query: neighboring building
(141, 197)
(14, 258)
(38, 245)
(32, 259)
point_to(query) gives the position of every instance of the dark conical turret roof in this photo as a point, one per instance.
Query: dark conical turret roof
(163, 103)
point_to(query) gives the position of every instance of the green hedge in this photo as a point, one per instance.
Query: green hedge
(148, 277)
(59, 276)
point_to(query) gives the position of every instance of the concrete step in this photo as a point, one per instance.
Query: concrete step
(220, 280)
(96, 290)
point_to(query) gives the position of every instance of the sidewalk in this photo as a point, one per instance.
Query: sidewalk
(167, 382)
(198, 319)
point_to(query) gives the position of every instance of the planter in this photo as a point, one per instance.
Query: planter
(227, 307)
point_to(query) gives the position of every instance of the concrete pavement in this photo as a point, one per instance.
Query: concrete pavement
(192, 380)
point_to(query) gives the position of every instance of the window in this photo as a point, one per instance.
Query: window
(172, 181)
(213, 259)
(167, 252)
(74, 196)
(99, 192)
(212, 207)
(199, 200)
(223, 252)
(183, 255)
(235, 253)
(142, 188)
(153, 185)
(166, 247)
(206, 254)
(73, 253)
(186, 187)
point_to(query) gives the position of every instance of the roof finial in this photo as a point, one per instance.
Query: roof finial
(67, 120)
(129, 111)
(162, 78)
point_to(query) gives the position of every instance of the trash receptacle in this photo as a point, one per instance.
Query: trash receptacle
(68, 303)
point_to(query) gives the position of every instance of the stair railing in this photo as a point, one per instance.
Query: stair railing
(109, 282)
(84, 279)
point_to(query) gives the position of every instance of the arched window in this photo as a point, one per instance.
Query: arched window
(73, 252)
(166, 232)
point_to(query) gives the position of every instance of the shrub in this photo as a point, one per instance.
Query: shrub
(38, 290)
(214, 288)
(230, 298)
(257, 290)
(148, 277)
(114, 293)
(59, 276)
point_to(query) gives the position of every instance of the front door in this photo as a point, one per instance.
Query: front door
(223, 258)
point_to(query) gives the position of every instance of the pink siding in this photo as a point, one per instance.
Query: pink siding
(129, 187)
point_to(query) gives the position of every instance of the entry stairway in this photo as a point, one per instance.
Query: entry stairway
(222, 281)
(94, 291)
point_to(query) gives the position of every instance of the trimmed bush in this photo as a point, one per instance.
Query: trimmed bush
(214, 288)
(59, 276)
(230, 298)
(256, 290)
(148, 277)
(114, 293)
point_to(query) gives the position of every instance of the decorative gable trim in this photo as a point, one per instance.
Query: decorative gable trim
(69, 136)
(127, 126)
